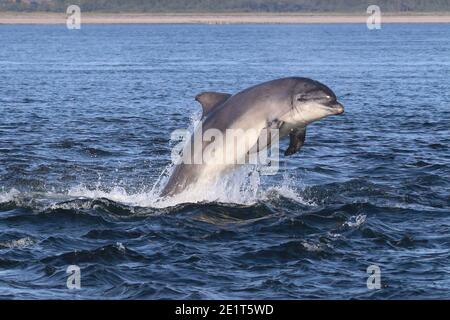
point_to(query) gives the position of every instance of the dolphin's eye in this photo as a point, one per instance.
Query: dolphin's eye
(313, 95)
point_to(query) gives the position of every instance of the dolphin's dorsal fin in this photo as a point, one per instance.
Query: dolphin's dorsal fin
(297, 140)
(209, 100)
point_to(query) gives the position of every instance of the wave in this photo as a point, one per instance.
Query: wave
(106, 253)
(236, 191)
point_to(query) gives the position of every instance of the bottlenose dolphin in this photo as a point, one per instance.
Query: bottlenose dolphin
(287, 104)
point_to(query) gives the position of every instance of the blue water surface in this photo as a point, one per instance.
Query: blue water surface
(85, 124)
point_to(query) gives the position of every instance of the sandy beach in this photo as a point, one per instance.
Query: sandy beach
(215, 18)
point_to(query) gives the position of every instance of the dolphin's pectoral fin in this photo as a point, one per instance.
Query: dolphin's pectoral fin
(209, 100)
(266, 135)
(297, 140)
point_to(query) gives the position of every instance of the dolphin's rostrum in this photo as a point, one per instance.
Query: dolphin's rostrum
(287, 104)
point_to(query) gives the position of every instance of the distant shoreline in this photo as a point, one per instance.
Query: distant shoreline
(218, 18)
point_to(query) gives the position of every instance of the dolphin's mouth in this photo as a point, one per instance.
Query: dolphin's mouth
(336, 108)
(339, 108)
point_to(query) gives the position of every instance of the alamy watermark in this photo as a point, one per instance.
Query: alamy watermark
(73, 20)
(232, 147)
(74, 278)
(374, 279)
(374, 20)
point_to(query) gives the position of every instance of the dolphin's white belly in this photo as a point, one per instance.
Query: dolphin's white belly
(224, 150)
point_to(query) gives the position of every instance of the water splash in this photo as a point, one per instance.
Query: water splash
(7, 196)
(243, 186)
(238, 187)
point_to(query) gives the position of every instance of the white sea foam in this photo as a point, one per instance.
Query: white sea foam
(7, 196)
(116, 194)
(120, 246)
(356, 221)
(312, 247)
(19, 243)
(240, 187)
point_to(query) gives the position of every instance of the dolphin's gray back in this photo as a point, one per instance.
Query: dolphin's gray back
(255, 100)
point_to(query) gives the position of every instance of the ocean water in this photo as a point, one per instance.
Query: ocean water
(86, 118)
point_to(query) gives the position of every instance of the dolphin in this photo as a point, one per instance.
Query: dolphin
(287, 105)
